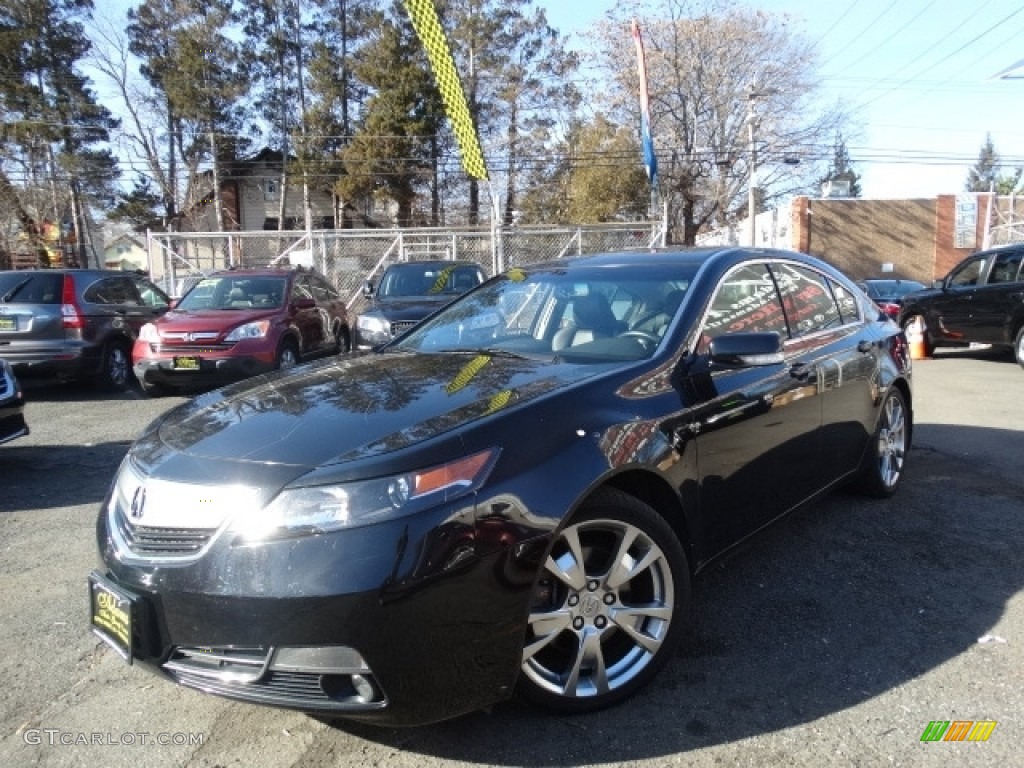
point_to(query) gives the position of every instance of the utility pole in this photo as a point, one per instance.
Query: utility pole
(752, 187)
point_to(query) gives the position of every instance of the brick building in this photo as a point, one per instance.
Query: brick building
(922, 239)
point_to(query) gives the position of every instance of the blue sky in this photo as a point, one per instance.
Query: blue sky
(917, 75)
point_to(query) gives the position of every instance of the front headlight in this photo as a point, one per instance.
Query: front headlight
(254, 330)
(306, 511)
(372, 324)
(149, 334)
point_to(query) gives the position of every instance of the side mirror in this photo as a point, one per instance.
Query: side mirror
(304, 303)
(368, 288)
(940, 284)
(741, 350)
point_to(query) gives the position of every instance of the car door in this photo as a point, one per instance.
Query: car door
(113, 305)
(996, 298)
(953, 310)
(756, 428)
(829, 340)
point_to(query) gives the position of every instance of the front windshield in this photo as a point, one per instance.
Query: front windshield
(428, 279)
(579, 314)
(229, 292)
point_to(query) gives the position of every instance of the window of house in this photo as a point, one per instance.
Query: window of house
(270, 190)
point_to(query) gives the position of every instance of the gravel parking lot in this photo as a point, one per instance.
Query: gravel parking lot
(834, 639)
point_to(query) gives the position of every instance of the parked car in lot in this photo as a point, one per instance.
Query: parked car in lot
(75, 323)
(512, 497)
(12, 405)
(237, 323)
(407, 293)
(888, 292)
(981, 301)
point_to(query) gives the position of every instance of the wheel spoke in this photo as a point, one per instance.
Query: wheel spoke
(546, 627)
(591, 655)
(629, 618)
(568, 568)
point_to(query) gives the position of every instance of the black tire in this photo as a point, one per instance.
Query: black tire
(115, 371)
(886, 455)
(1018, 347)
(153, 390)
(287, 355)
(593, 637)
(929, 342)
(342, 340)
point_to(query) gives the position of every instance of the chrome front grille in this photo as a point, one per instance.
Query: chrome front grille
(145, 540)
(400, 327)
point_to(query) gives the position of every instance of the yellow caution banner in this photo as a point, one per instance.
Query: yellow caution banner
(428, 28)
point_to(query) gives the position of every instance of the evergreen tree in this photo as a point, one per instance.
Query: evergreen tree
(390, 152)
(52, 122)
(984, 175)
(841, 168)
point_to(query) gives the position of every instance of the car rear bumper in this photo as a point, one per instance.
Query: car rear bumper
(65, 362)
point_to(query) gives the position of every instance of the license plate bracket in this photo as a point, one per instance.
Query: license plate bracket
(112, 614)
(186, 363)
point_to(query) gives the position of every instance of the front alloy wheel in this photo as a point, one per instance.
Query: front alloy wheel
(608, 608)
(287, 355)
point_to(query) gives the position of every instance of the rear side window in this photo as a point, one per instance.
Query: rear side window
(112, 290)
(31, 287)
(807, 299)
(1007, 268)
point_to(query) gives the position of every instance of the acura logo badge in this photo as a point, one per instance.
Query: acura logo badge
(138, 502)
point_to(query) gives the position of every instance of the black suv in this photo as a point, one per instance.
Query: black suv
(75, 323)
(981, 301)
(407, 293)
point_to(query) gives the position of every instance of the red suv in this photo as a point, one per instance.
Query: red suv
(238, 323)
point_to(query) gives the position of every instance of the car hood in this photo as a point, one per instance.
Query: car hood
(346, 410)
(208, 319)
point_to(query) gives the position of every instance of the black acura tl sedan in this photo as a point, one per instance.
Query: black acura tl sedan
(512, 498)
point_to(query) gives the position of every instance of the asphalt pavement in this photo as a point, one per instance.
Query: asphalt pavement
(835, 639)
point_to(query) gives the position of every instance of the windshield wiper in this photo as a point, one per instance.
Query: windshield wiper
(11, 293)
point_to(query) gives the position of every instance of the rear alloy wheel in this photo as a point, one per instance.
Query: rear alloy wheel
(883, 468)
(115, 367)
(1018, 347)
(287, 355)
(608, 609)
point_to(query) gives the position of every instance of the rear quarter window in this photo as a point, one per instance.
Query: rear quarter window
(31, 288)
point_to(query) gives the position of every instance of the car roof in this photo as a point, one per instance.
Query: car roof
(441, 263)
(682, 256)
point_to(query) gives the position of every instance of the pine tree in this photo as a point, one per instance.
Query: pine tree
(52, 120)
(841, 168)
(984, 175)
(390, 152)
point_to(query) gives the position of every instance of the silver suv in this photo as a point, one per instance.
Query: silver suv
(75, 323)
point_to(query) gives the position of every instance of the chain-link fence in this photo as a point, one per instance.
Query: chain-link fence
(348, 258)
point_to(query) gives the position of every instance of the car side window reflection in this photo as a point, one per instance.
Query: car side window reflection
(968, 273)
(746, 300)
(1007, 268)
(806, 299)
(849, 307)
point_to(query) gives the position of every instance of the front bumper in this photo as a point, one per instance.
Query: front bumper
(212, 371)
(415, 626)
